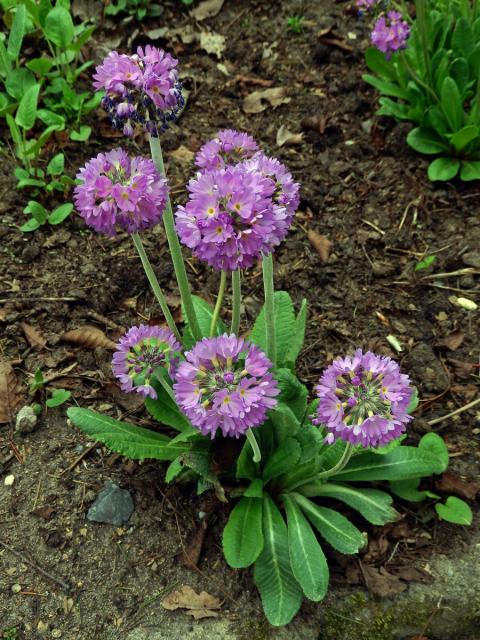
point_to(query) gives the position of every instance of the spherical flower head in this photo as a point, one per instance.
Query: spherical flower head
(225, 384)
(364, 6)
(228, 148)
(390, 33)
(119, 191)
(141, 90)
(364, 400)
(237, 214)
(139, 353)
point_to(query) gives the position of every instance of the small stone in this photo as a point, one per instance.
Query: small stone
(112, 506)
(16, 588)
(472, 259)
(56, 633)
(9, 480)
(42, 627)
(27, 420)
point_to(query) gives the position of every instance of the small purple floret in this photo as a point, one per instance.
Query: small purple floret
(139, 352)
(227, 149)
(225, 384)
(119, 191)
(141, 91)
(364, 400)
(391, 33)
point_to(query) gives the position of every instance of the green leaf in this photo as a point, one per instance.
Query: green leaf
(455, 510)
(204, 313)
(5, 62)
(246, 468)
(414, 400)
(311, 440)
(30, 182)
(59, 396)
(56, 165)
(37, 210)
(283, 459)
(425, 141)
(462, 138)
(376, 61)
(443, 169)
(255, 490)
(51, 119)
(470, 170)
(425, 263)
(174, 469)
(307, 559)
(280, 593)
(17, 32)
(128, 439)
(433, 444)
(40, 66)
(284, 421)
(400, 464)
(59, 27)
(243, 534)
(452, 103)
(166, 411)
(408, 490)
(27, 109)
(18, 82)
(463, 41)
(59, 214)
(386, 87)
(298, 336)
(293, 393)
(374, 505)
(393, 444)
(82, 134)
(284, 327)
(339, 532)
(31, 225)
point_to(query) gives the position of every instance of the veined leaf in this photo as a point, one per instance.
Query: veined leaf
(462, 138)
(27, 109)
(335, 528)
(298, 336)
(425, 141)
(408, 490)
(255, 490)
(307, 559)
(434, 444)
(470, 170)
(455, 510)
(283, 459)
(243, 534)
(17, 32)
(284, 327)
(284, 421)
(374, 505)
(280, 592)
(204, 313)
(128, 439)
(293, 393)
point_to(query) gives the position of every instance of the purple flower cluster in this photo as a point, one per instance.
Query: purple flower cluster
(139, 352)
(227, 148)
(238, 212)
(120, 191)
(225, 384)
(390, 33)
(365, 5)
(363, 400)
(140, 90)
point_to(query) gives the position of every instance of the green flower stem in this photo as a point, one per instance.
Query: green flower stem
(167, 387)
(218, 306)
(267, 266)
(175, 249)
(421, 14)
(152, 279)
(237, 297)
(257, 456)
(341, 464)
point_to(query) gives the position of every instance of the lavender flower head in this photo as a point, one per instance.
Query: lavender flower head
(227, 148)
(236, 214)
(120, 191)
(141, 90)
(391, 33)
(139, 352)
(363, 400)
(225, 384)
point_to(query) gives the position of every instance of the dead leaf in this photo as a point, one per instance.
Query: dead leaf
(258, 101)
(451, 483)
(11, 392)
(34, 337)
(261, 82)
(462, 369)
(191, 553)
(380, 582)
(212, 42)
(90, 337)
(45, 512)
(207, 9)
(413, 574)
(198, 605)
(321, 244)
(453, 341)
(182, 154)
(316, 123)
(287, 137)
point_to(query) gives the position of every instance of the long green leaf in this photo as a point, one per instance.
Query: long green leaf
(284, 327)
(293, 393)
(335, 528)
(204, 313)
(27, 109)
(280, 592)
(243, 534)
(283, 459)
(375, 506)
(298, 336)
(308, 561)
(17, 32)
(285, 422)
(128, 439)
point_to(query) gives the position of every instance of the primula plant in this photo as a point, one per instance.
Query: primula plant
(426, 70)
(233, 410)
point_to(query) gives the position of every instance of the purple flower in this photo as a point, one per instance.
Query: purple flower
(391, 33)
(227, 148)
(141, 90)
(363, 400)
(236, 214)
(142, 350)
(365, 5)
(120, 191)
(225, 384)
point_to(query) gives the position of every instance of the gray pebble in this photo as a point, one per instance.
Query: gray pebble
(112, 506)
(26, 421)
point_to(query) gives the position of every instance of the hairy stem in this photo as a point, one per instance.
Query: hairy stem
(218, 305)
(237, 297)
(152, 279)
(175, 249)
(267, 266)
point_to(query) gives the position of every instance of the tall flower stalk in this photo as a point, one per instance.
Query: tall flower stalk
(218, 305)
(236, 300)
(267, 267)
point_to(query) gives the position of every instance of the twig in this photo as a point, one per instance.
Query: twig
(38, 299)
(80, 458)
(466, 407)
(460, 272)
(60, 582)
(374, 226)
